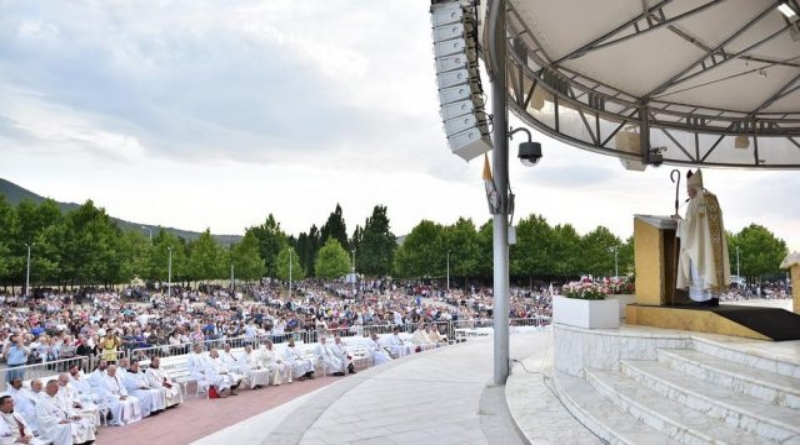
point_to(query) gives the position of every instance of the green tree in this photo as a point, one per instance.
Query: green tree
(420, 253)
(760, 252)
(626, 257)
(248, 264)
(284, 257)
(565, 254)
(375, 245)
(89, 246)
(307, 248)
(271, 240)
(8, 224)
(134, 251)
(486, 250)
(461, 240)
(335, 228)
(332, 260)
(596, 255)
(163, 244)
(531, 255)
(207, 260)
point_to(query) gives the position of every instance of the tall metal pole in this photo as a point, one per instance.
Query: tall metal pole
(290, 274)
(28, 273)
(616, 262)
(448, 272)
(169, 274)
(233, 280)
(497, 23)
(738, 276)
(150, 232)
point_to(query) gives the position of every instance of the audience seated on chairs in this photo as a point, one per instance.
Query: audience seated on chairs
(158, 379)
(340, 352)
(61, 424)
(324, 355)
(302, 368)
(257, 376)
(279, 370)
(14, 428)
(379, 354)
(125, 408)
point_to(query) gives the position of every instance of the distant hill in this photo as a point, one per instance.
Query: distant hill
(16, 194)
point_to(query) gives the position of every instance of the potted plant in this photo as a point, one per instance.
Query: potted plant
(584, 305)
(623, 291)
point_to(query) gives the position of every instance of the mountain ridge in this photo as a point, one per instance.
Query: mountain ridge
(15, 194)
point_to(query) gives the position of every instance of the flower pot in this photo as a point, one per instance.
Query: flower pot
(587, 314)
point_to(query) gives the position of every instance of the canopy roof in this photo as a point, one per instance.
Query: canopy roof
(699, 82)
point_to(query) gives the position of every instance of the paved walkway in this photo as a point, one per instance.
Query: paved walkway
(437, 397)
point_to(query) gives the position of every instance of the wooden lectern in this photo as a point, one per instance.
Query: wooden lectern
(654, 258)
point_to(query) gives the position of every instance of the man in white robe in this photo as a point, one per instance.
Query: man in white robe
(198, 364)
(87, 394)
(70, 397)
(24, 403)
(256, 374)
(301, 367)
(152, 400)
(59, 423)
(157, 378)
(324, 355)
(125, 408)
(13, 428)
(279, 370)
(96, 377)
(398, 347)
(340, 351)
(224, 380)
(420, 338)
(379, 355)
(230, 360)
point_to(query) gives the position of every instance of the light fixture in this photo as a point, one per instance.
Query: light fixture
(741, 142)
(787, 10)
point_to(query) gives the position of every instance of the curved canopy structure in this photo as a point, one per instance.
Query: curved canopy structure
(692, 82)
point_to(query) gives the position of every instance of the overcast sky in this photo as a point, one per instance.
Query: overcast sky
(198, 114)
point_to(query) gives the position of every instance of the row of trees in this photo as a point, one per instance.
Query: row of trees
(85, 247)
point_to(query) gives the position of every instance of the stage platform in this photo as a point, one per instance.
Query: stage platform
(755, 322)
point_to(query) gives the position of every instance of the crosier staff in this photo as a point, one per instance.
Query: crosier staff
(675, 176)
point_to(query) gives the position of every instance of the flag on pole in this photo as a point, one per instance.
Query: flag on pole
(491, 190)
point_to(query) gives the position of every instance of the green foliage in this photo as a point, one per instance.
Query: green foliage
(486, 249)
(283, 265)
(375, 245)
(163, 243)
(247, 262)
(335, 228)
(461, 240)
(418, 255)
(271, 240)
(565, 257)
(332, 261)
(207, 259)
(531, 255)
(597, 252)
(760, 252)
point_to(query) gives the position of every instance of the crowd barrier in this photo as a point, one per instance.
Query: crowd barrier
(452, 330)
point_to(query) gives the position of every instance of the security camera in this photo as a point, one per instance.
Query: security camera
(530, 153)
(656, 156)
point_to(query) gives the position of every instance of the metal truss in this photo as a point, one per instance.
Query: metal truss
(689, 134)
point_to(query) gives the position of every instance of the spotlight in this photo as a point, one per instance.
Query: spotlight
(787, 10)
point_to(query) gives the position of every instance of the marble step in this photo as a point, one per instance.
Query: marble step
(602, 417)
(677, 421)
(751, 355)
(756, 416)
(774, 388)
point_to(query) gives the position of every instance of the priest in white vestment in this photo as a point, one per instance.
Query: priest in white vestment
(152, 400)
(434, 335)
(420, 338)
(71, 398)
(157, 378)
(230, 360)
(256, 374)
(302, 367)
(340, 351)
(14, 429)
(24, 402)
(124, 408)
(270, 359)
(323, 354)
(199, 366)
(397, 345)
(219, 375)
(60, 424)
(379, 355)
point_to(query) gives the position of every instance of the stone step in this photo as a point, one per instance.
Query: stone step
(677, 421)
(775, 388)
(755, 416)
(602, 417)
(754, 357)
